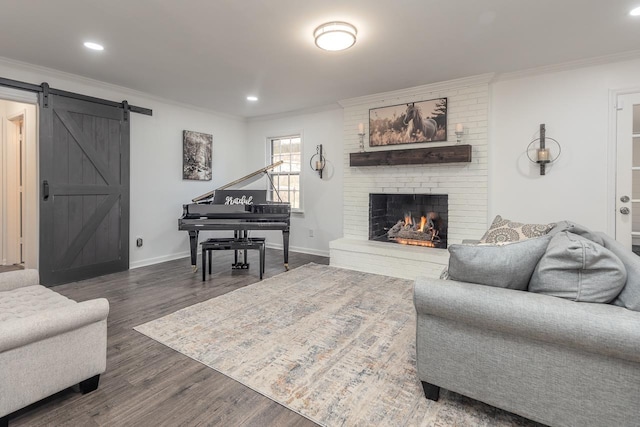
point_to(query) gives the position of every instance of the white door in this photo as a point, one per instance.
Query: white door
(628, 171)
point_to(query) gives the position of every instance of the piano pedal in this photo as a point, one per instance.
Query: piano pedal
(240, 266)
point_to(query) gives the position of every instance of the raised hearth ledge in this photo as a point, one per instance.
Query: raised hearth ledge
(389, 259)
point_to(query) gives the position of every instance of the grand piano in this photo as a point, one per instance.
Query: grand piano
(236, 210)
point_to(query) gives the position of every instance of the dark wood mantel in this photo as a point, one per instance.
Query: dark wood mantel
(414, 156)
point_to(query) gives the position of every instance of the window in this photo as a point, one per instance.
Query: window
(286, 177)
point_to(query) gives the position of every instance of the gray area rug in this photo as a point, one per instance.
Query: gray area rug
(336, 346)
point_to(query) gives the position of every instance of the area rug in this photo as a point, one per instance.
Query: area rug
(336, 346)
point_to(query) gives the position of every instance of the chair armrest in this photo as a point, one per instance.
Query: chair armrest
(18, 279)
(597, 328)
(18, 332)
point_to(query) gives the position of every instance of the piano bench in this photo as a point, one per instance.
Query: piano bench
(230, 243)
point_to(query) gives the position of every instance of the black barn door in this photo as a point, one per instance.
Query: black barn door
(84, 193)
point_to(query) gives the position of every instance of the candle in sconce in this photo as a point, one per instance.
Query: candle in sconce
(459, 128)
(360, 128)
(318, 165)
(543, 155)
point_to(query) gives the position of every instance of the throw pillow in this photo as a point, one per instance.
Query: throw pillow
(504, 230)
(578, 229)
(578, 269)
(505, 266)
(629, 297)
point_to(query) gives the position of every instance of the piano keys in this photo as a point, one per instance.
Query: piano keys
(236, 210)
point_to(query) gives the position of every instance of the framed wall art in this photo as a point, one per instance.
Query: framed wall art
(413, 122)
(197, 150)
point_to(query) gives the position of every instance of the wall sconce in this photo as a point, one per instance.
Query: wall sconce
(361, 135)
(318, 161)
(459, 131)
(543, 154)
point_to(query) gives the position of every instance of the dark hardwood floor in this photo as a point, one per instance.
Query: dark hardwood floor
(148, 384)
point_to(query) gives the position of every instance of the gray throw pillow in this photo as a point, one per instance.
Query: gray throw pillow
(505, 266)
(629, 297)
(578, 229)
(578, 269)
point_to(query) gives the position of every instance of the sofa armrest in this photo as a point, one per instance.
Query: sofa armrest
(597, 328)
(18, 332)
(18, 279)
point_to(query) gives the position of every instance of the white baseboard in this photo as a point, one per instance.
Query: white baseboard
(158, 260)
(171, 257)
(299, 249)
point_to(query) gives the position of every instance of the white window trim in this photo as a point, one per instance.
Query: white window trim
(277, 135)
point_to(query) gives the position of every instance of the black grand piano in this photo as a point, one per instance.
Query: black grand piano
(236, 210)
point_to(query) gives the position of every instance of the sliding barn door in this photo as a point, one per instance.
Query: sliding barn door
(84, 189)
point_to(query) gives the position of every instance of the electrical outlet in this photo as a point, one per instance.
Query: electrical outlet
(139, 242)
(311, 232)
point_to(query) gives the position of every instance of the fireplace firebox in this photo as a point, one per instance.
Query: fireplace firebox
(409, 219)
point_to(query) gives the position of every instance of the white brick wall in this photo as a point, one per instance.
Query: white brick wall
(464, 183)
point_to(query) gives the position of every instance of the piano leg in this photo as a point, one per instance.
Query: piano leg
(285, 246)
(193, 244)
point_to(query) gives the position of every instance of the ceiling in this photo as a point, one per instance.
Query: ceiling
(213, 53)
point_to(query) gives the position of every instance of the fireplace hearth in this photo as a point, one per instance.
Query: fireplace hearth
(409, 219)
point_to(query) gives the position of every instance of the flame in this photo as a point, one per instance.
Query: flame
(407, 220)
(423, 221)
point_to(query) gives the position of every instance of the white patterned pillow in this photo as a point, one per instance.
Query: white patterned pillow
(503, 230)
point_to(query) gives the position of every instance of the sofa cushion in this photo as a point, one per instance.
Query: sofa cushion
(503, 230)
(27, 301)
(505, 266)
(578, 269)
(629, 297)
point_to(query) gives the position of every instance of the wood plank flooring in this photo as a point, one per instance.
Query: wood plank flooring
(148, 384)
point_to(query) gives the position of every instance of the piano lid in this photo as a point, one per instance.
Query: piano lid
(237, 181)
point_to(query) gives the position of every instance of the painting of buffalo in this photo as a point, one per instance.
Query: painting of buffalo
(413, 122)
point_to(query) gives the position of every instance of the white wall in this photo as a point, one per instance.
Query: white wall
(322, 199)
(574, 105)
(157, 188)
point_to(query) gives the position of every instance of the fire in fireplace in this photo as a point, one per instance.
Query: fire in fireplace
(409, 219)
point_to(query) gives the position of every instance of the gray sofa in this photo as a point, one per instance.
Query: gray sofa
(47, 342)
(552, 360)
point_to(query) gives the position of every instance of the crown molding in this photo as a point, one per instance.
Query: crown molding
(431, 87)
(571, 65)
(293, 113)
(24, 66)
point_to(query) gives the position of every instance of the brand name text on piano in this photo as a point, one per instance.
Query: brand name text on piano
(244, 200)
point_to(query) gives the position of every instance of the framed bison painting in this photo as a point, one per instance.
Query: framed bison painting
(413, 122)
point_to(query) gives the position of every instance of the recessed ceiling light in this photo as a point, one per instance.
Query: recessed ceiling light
(335, 36)
(635, 12)
(252, 98)
(94, 46)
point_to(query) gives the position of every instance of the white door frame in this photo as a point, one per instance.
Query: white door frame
(30, 168)
(612, 156)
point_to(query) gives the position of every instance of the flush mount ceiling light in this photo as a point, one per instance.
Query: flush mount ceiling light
(252, 98)
(93, 46)
(635, 12)
(335, 36)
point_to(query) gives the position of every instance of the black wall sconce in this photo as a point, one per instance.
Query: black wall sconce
(318, 161)
(543, 154)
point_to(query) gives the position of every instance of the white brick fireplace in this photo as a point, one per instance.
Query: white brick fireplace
(464, 183)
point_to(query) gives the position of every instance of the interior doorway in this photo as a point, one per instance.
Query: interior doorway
(18, 185)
